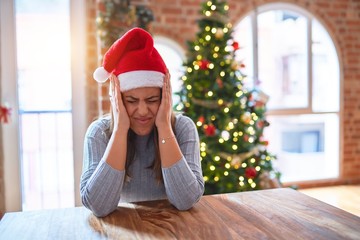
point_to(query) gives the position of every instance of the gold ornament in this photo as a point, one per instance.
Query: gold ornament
(219, 33)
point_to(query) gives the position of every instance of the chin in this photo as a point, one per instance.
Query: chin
(142, 131)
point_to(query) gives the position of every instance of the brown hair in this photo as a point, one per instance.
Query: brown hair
(130, 151)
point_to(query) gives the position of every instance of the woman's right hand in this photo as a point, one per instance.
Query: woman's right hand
(120, 115)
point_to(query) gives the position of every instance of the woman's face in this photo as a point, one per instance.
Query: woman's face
(142, 105)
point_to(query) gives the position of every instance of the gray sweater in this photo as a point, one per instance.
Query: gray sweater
(103, 187)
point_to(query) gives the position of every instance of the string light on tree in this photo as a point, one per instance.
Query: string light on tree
(230, 118)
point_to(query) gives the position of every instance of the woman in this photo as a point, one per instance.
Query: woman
(143, 151)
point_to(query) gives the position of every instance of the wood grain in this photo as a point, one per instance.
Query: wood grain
(346, 197)
(266, 214)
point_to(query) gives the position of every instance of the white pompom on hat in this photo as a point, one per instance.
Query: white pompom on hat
(134, 60)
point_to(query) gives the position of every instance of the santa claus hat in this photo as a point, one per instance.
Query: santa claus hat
(134, 60)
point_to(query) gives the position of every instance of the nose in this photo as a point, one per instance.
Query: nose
(142, 108)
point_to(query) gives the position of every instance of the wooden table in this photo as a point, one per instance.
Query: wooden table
(267, 214)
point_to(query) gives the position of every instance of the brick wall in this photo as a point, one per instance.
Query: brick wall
(177, 20)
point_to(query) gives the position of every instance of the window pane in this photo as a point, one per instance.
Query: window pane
(307, 146)
(243, 35)
(43, 54)
(44, 86)
(282, 41)
(326, 77)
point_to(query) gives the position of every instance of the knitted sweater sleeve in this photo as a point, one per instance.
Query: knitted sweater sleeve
(183, 181)
(100, 184)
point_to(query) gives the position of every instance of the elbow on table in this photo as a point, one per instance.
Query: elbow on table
(101, 212)
(98, 211)
(186, 205)
(183, 207)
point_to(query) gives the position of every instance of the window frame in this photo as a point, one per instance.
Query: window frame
(9, 94)
(309, 109)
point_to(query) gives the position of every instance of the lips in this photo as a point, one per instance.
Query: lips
(143, 121)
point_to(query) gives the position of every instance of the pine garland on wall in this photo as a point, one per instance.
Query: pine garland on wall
(116, 16)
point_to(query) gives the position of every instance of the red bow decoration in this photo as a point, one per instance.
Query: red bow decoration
(204, 64)
(5, 113)
(235, 46)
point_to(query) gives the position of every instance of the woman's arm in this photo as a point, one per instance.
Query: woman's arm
(101, 184)
(180, 156)
(104, 161)
(183, 180)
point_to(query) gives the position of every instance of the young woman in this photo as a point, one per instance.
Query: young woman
(142, 151)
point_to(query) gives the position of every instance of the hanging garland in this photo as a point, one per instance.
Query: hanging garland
(117, 16)
(5, 113)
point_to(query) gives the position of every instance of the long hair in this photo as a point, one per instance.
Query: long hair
(131, 148)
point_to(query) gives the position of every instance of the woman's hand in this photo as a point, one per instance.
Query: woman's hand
(120, 115)
(163, 117)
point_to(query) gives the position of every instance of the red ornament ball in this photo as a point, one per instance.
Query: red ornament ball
(209, 130)
(250, 172)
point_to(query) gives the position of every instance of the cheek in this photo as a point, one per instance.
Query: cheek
(155, 108)
(129, 109)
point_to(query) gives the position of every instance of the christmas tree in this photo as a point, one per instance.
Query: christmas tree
(230, 118)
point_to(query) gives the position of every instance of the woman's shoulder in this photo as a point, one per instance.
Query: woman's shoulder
(99, 127)
(183, 121)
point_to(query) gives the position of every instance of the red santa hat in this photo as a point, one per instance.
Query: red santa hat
(134, 60)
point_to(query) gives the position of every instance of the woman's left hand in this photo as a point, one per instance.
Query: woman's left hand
(163, 117)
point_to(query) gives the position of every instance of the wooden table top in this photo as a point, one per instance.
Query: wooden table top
(267, 214)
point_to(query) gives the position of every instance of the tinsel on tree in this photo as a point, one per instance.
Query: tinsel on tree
(230, 118)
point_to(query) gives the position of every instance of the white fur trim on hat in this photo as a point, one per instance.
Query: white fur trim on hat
(142, 78)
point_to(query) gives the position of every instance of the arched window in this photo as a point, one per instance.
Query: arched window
(173, 56)
(296, 64)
